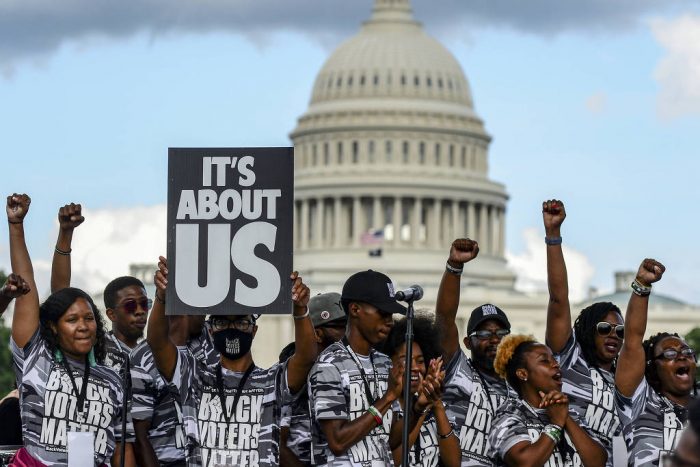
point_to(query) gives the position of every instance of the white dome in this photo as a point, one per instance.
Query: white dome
(392, 56)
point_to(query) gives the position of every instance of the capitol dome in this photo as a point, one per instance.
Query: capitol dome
(391, 162)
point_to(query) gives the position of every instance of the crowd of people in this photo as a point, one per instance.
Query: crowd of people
(190, 393)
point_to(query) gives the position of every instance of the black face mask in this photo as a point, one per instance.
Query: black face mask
(233, 343)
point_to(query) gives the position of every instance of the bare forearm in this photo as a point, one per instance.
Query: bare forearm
(446, 312)
(342, 434)
(590, 451)
(305, 351)
(26, 319)
(144, 453)
(61, 264)
(164, 351)
(558, 308)
(531, 454)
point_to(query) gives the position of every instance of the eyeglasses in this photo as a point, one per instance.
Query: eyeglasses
(672, 354)
(131, 305)
(605, 329)
(220, 324)
(486, 334)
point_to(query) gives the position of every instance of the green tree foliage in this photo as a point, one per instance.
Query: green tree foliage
(693, 340)
(7, 375)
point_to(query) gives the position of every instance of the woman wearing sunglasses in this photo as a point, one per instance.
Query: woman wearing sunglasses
(58, 350)
(655, 379)
(587, 352)
(433, 440)
(537, 428)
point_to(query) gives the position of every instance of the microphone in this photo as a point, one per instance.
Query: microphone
(411, 294)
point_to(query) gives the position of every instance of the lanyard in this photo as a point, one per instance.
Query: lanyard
(371, 399)
(83, 390)
(222, 394)
(484, 387)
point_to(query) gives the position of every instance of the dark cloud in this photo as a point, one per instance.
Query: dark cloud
(30, 28)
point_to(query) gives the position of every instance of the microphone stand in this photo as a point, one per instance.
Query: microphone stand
(407, 399)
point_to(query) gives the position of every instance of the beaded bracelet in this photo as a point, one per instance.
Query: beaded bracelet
(553, 431)
(375, 413)
(640, 289)
(454, 270)
(552, 240)
(452, 432)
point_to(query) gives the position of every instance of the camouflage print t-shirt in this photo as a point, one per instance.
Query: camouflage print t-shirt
(116, 355)
(49, 403)
(471, 398)
(295, 416)
(425, 452)
(516, 422)
(154, 400)
(202, 348)
(650, 425)
(337, 391)
(252, 436)
(591, 394)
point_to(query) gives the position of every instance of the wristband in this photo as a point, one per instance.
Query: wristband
(421, 412)
(375, 413)
(640, 289)
(63, 252)
(553, 431)
(302, 316)
(452, 432)
(552, 240)
(454, 270)
(14, 222)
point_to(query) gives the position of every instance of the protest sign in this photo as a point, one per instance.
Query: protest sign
(230, 215)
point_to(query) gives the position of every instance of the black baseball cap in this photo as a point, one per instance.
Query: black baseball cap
(374, 288)
(486, 312)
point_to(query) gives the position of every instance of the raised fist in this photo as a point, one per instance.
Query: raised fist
(14, 287)
(650, 271)
(300, 291)
(70, 216)
(462, 251)
(161, 277)
(553, 214)
(17, 207)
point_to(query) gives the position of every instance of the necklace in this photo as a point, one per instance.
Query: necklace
(371, 398)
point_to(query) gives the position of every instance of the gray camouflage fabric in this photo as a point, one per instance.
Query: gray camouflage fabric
(155, 400)
(516, 422)
(337, 392)
(296, 416)
(252, 437)
(49, 404)
(202, 348)
(591, 394)
(425, 452)
(650, 425)
(472, 407)
(116, 353)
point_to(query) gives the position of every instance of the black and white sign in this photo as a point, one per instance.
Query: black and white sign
(230, 215)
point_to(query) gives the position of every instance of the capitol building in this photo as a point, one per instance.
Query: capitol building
(391, 165)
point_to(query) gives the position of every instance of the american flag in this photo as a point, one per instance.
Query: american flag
(372, 237)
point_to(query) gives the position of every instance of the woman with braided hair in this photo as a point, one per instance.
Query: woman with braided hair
(655, 379)
(537, 428)
(58, 350)
(587, 352)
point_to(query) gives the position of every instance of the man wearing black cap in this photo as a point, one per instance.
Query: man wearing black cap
(473, 391)
(329, 320)
(352, 387)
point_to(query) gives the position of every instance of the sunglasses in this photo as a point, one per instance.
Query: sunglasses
(486, 334)
(220, 324)
(672, 354)
(130, 305)
(605, 329)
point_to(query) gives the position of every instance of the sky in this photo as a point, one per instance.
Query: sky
(594, 102)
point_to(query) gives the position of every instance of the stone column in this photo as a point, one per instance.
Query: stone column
(483, 229)
(337, 222)
(495, 221)
(304, 230)
(377, 215)
(436, 230)
(398, 220)
(320, 222)
(356, 220)
(502, 232)
(456, 231)
(471, 220)
(416, 221)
